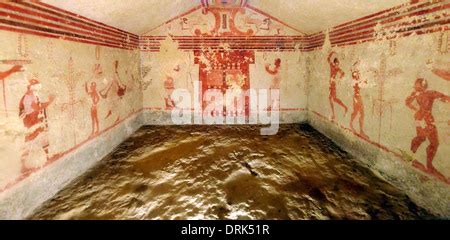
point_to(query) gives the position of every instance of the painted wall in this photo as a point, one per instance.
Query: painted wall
(65, 92)
(383, 113)
(215, 43)
(62, 52)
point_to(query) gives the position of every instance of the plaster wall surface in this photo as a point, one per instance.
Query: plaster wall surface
(388, 72)
(134, 75)
(66, 102)
(186, 50)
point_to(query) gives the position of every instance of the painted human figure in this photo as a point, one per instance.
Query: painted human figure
(276, 79)
(34, 115)
(425, 125)
(95, 97)
(335, 74)
(358, 106)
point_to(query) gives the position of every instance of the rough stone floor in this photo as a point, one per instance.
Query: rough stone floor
(229, 172)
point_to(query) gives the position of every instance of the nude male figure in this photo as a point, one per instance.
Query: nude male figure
(425, 124)
(335, 74)
(358, 106)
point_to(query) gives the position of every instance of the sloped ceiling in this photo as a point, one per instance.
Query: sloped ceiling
(308, 16)
(311, 16)
(135, 16)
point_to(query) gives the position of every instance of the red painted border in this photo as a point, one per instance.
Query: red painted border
(353, 32)
(362, 29)
(377, 145)
(60, 155)
(37, 18)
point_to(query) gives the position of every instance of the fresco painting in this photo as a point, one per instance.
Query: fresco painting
(51, 105)
(374, 73)
(63, 87)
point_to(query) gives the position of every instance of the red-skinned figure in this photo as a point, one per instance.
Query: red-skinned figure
(425, 124)
(358, 106)
(335, 74)
(95, 97)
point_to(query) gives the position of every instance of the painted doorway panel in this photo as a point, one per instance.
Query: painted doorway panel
(224, 71)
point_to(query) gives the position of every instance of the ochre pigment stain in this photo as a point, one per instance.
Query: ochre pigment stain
(229, 172)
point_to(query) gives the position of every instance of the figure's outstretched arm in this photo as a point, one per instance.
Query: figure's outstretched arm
(6, 74)
(272, 72)
(445, 74)
(329, 57)
(441, 96)
(50, 100)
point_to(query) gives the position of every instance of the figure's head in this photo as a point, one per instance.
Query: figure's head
(421, 84)
(336, 61)
(34, 85)
(277, 62)
(93, 86)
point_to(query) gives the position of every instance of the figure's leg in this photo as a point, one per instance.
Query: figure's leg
(93, 125)
(23, 159)
(354, 114)
(338, 101)
(96, 127)
(97, 124)
(274, 99)
(432, 148)
(92, 120)
(361, 120)
(333, 116)
(168, 99)
(418, 140)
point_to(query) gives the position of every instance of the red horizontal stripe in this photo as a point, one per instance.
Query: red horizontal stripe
(385, 14)
(52, 26)
(383, 20)
(62, 34)
(49, 35)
